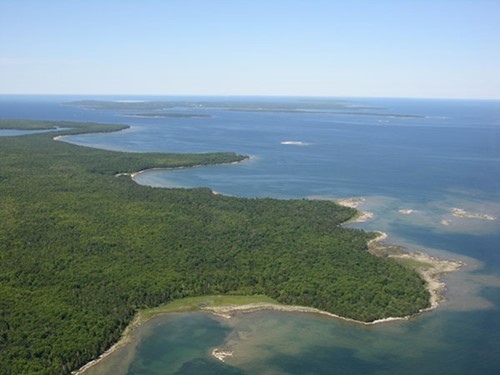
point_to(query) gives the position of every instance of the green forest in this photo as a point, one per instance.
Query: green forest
(83, 247)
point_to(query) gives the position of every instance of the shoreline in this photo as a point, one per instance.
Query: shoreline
(430, 268)
(133, 175)
(432, 275)
(190, 304)
(228, 312)
(361, 216)
(125, 338)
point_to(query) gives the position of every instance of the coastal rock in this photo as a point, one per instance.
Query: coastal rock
(458, 212)
(221, 354)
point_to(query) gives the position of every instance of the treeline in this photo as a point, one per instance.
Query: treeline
(81, 250)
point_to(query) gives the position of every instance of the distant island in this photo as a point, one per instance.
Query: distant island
(83, 248)
(332, 112)
(167, 115)
(248, 105)
(333, 107)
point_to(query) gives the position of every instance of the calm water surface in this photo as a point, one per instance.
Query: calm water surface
(448, 156)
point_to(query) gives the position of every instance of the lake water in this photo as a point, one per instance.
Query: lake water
(445, 155)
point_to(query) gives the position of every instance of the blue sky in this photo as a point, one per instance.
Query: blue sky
(356, 48)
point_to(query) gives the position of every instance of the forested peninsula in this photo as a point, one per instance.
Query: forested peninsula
(83, 248)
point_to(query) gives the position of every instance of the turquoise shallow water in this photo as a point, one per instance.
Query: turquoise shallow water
(448, 157)
(291, 343)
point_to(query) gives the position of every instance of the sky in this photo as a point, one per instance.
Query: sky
(349, 48)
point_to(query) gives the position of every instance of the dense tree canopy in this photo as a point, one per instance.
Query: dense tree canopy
(82, 249)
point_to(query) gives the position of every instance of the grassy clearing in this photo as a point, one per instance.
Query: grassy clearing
(197, 303)
(414, 264)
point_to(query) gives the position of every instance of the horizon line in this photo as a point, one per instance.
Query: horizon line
(254, 96)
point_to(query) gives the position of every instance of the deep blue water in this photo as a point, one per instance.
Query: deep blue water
(447, 157)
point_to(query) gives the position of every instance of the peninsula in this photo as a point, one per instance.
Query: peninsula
(83, 248)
